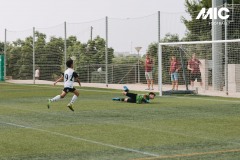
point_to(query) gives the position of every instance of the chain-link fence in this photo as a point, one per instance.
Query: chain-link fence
(106, 49)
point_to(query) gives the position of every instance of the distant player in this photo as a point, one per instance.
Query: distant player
(68, 76)
(173, 71)
(37, 73)
(194, 67)
(135, 98)
(149, 71)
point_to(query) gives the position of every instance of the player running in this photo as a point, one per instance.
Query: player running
(68, 76)
(135, 98)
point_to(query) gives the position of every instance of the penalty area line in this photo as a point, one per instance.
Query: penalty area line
(189, 155)
(83, 139)
(209, 99)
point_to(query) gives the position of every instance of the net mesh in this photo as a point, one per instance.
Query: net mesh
(202, 67)
(49, 52)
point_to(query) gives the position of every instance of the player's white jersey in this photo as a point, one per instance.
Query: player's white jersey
(69, 76)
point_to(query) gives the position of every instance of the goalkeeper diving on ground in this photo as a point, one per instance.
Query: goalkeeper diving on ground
(135, 98)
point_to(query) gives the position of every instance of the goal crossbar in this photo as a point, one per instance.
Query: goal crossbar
(199, 42)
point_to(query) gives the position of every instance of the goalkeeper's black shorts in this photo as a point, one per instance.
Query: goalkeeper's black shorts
(132, 97)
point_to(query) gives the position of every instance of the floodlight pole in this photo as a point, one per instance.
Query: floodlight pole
(216, 49)
(65, 44)
(159, 50)
(106, 52)
(138, 50)
(226, 52)
(91, 33)
(159, 26)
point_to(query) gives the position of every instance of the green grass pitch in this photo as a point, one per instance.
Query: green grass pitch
(172, 127)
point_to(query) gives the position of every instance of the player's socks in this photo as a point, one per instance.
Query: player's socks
(116, 99)
(48, 105)
(58, 97)
(74, 98)
(122, 99)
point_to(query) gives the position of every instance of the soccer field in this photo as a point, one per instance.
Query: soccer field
(171, 127)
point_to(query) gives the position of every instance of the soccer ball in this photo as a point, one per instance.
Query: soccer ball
(99, 69)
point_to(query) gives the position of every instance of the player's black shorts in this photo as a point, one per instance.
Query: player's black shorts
(197, 76)
(69, 89)
(132, 97)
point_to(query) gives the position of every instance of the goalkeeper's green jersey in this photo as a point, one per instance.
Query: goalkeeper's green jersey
(140, 99)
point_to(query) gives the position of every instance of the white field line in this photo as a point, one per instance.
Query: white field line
(136, 127)
(180, 156)
(218, 100)
(83, 139)
(171, 132)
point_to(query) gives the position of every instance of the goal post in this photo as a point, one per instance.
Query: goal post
(215, 74)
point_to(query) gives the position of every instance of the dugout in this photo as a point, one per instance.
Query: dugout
(1, 67)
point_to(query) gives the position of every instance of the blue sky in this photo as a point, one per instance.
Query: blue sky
(18, 15)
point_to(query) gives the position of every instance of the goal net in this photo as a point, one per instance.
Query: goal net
(199, 66)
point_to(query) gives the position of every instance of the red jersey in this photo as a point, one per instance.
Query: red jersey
(174, 66)
(148, 65)
(194, 64)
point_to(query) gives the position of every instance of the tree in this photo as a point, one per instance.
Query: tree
(49, 56)
(40, 50)
(26, 59)
(54, 58)
(13, 59)
(96, 51)
(200, 29)
(128, 60)
(93, 56)
(1, 47)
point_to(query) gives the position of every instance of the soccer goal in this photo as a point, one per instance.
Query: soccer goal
(199, 66)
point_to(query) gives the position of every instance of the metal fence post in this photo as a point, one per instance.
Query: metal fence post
(159, 40)
(106, 53)
(5, 55)
(65, 44)
(33, 55)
